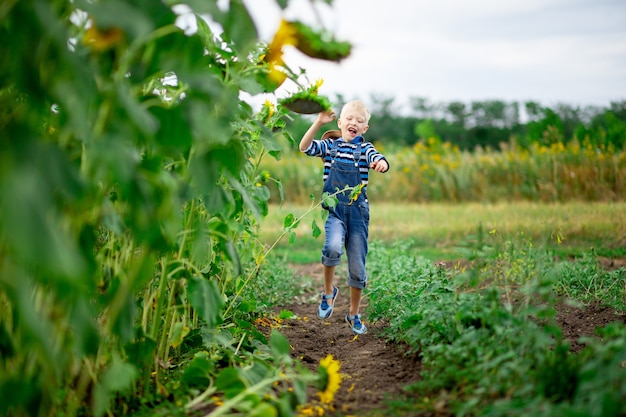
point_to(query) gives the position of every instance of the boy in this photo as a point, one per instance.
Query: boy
(347, 160)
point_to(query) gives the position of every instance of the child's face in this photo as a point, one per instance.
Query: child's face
(353, 123)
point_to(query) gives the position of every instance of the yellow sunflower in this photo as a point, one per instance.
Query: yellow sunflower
(318, 83)
(285, 35)
(269, 108)
(330, 379)
(277, 75)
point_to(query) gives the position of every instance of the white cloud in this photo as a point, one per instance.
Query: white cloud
(571, 51)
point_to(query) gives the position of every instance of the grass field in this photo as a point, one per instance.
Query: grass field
(450, 231)
(436, 172)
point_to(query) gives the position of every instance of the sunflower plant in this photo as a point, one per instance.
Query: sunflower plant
(330, 379)
(328, 383)
(319, 43)
(307, 100)
(130, 197)
(316, 44)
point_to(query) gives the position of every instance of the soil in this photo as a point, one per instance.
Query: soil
(373, 370)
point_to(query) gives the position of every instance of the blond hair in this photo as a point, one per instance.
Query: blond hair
(356, 105)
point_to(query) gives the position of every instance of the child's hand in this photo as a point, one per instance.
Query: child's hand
(380, 166)
(326, 116)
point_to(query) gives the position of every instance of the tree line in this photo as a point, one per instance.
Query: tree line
(488, 123)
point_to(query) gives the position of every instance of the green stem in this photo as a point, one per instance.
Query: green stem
(158, 309)
(163, 351)
(148, 300)
(240, 343)
(258, 163)
(187, 228)
(185, 264)
(228, 405)
(200, 398)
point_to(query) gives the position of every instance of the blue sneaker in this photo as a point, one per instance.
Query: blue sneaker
(355, 324)
(325, 310)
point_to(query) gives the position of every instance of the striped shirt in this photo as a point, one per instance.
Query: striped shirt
(345, 153)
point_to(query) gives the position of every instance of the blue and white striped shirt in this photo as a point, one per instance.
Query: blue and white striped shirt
(345, 153)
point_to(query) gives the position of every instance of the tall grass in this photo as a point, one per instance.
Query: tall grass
(432, 171)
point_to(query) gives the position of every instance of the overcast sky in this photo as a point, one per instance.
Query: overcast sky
(551, 51)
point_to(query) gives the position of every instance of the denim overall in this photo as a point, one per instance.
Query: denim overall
(348, 222)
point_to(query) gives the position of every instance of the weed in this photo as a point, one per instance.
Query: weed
(487, 338)
(586, 282)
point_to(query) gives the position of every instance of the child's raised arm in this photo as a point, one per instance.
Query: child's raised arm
(322, 118)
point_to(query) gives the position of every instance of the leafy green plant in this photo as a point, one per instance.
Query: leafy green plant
(131, 193)
(487, 337)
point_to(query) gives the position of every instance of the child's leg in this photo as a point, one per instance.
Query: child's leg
(355, 300)
(357, 252)
(325, 309)
(332, 250)
(329, 277)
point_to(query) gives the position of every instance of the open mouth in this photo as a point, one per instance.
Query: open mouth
(353, 130)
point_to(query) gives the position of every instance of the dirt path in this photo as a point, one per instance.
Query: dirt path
(372, 369)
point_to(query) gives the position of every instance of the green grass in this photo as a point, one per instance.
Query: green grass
(450, 231)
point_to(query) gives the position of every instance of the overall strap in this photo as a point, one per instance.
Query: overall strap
(333, 149)
(357, 154)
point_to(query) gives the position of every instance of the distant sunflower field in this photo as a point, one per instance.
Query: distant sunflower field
(436, 171)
